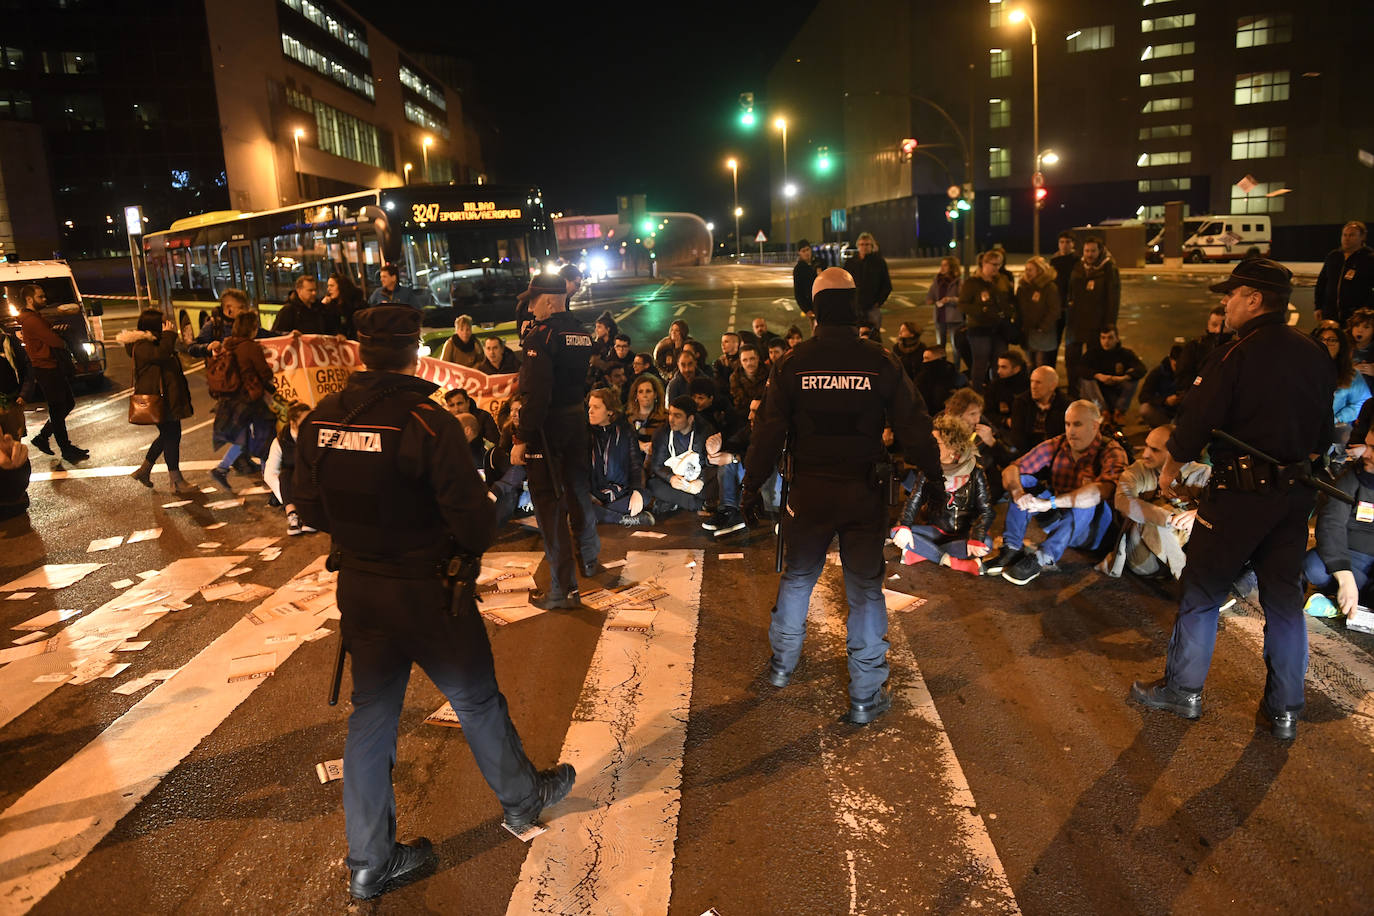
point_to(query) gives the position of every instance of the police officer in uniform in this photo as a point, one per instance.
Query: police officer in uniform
(552, 439)
(1272, 388)
(832, 396)
(389, 475)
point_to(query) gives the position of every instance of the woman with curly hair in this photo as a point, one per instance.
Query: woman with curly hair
(957, 509)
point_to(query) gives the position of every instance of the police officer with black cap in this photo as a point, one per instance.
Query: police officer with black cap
(552, 439)
(389, 475)
(831, 397)
(1271, 388)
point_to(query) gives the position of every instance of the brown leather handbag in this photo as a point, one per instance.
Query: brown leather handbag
(145, 409)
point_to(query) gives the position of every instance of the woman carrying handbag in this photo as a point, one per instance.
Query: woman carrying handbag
(161, 396)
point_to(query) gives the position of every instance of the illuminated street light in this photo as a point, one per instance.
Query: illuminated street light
(733, 165)
(406, 168)
(710, 227)
(425, 144)
(739, 211)
(781, 124)
(789, 191)
(1037, 180)
(1049, 157)
(296, 159)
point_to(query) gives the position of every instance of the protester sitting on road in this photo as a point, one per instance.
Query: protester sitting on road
(281, 464)
(776, 348)
(304, 313)
(1038, 414)
(759, 335)
(603, 339)
(497, 358)
(617, 466)
(868, 332)
(749, 380)
(647, 412)
(1039, 308)
(1196, 351)
(617, 379)
(1360, 327)
(667, 349)
(621, 352)
(713, 408)
(15, 471)
(1343, 560)
(687, 372)
(937, 378)
(943, 296)
(462, 348)
(1111, 375)
(1012, 380)
(157, 371)
(472, 432)
(678, 467)
(1159, 393)
(725, 366)
(909, 349)
(725, 450)
(1351, 390)
(506, 481)
(968, 405)
(1158, 499)
(243, 419)
(1073, 509)
(793, 336)
(957, 510)
(458, 402)
(643, 364)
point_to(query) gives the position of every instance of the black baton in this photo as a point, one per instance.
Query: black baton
(338, 674)
(1303, 477)
(785, 473)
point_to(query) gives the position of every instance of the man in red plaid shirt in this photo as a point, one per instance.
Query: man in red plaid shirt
(1074, 510)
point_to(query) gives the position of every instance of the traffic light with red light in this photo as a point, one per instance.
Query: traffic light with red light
(908, 148)
(1040, 195)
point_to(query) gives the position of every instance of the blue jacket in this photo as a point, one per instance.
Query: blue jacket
(615, 468)
(1349, 399)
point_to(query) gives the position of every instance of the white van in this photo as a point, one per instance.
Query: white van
(1218, 238)
(78, 323)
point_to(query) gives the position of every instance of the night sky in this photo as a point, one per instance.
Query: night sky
(613, 97)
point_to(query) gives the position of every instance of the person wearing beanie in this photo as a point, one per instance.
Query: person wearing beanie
(830, 398)
(552, 440)
(389, 475)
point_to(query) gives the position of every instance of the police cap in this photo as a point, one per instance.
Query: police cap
(388, 326)
(1258, 273)
(547, 283)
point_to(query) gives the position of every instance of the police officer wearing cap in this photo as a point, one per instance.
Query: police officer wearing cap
(830, 397)
(552, 439)
(389, 475)
(1270, 388)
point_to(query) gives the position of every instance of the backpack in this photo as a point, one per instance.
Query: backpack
(222, 373)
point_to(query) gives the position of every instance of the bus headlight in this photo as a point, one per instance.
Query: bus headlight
(89, 348)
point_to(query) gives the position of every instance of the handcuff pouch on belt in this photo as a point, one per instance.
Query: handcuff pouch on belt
(885, 480)
(1248, 474)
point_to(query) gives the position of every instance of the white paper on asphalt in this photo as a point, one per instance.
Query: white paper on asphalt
(21, 596)
(626, 741)
(108, 625)
(147, 534)
(52, 827)
(105, 543)
(52, 575)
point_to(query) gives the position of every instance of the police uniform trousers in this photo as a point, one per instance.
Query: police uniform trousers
(817, 509)
(1269, 529)
(565, 431)
(388, 623)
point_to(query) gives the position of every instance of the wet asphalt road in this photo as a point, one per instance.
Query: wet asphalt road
(1087, 805)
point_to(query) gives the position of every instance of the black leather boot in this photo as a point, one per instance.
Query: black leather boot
(406, 864)
(1159, 695)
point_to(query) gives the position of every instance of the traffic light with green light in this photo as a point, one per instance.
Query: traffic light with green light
(746, 109)
(823, 159)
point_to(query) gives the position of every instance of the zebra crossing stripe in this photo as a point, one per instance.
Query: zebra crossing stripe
(53, 826)
(609, 848)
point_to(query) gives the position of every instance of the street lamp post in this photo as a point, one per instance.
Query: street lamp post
(425, 144)
(733, 165)
(1037, 179)
(296, 161)
(407, 169)
(781, 124)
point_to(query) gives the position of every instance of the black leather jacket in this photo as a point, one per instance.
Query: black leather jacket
(968, 509)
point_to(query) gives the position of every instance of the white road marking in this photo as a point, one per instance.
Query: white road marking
(677, 312)
(52, 827)
(627, 313)
(121, 470)
(123, 614)
(611, 850)
(786, 303)
(906, 303)
(859, 807)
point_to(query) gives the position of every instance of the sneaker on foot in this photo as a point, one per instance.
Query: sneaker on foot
(221, 477)
(1006, 556)
(712, 523)
(643, 519)
(1023, 570)
(728, 521)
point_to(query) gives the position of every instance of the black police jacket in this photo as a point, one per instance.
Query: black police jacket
(398, 480)
(834, 394)
(968, 511)
(553, 372)
(1272, 387)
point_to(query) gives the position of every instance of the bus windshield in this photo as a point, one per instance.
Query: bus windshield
(468, 269)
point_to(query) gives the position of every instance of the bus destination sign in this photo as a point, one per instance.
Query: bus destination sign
(472, 210)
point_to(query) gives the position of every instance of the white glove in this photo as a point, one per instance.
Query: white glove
(903, 539)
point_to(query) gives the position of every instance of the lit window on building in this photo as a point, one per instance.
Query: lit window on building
(1174, 49)
(996, 13)
(1169, 157)
(82, 112)
(1154, 2)
(999, 162)
(999, 63)
(146, 114)
(69, 63)
(12, 58)
(423, 88)
(1163, 23)
(16, 104)
(303, 54)
(1257, 201)
(999, 112)
(327, 19)
(1259, 142)
(1162, 131)
(1253, 31)
(1155, 185)
(1254, 88)
(1166, 77)
(181, 178)
(999, 210)
(417, 115)
(341, 134)
(1153, 106)
(1093, 38)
